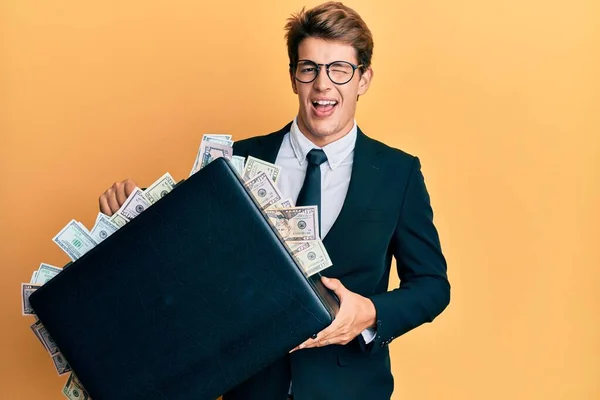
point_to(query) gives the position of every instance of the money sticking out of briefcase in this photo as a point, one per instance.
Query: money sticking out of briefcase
(186, 301)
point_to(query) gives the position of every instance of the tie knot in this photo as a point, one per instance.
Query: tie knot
(316, 157)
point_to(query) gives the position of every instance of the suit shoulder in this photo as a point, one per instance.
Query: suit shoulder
(244, 146)
(249, 141)
(394, 154)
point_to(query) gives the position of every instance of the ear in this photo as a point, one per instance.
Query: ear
(365, 81)
(294, 83)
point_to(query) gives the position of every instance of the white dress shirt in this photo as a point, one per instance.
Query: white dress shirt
(335, 176)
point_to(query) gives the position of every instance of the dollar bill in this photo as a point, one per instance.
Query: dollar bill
(82, 226)
(217, 139)
(134, 205)
(42, 334)
(217, 136)
(45, 272)
(74, 390)
(61, 365)
(33, 276)
(209, 152)
(75, 240)
(118, 220)
(254, 166)
(263, 190)
(160, 188)
(212, 151)
(103, 228)
(283, 203)
(297, 247)
(100, 214)
(297, 224)
(238, 164)
(34, 328)
(26, 290)
(312, 256)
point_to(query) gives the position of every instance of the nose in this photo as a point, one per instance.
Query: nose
(322, 82)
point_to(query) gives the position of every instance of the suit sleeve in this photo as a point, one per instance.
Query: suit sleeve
(424, 290)
(240, 149)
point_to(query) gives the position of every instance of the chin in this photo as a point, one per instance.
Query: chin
(323, 129)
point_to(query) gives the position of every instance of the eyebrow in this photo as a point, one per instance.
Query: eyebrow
(305, 60)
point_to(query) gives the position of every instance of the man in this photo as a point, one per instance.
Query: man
(373, 204)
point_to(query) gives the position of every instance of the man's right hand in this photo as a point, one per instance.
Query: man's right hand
(115, 196)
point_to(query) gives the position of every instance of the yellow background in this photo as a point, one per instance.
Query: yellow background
(499, 99)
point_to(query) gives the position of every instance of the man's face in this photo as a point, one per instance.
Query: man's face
(325, 123)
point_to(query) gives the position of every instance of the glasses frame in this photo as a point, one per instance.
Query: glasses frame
(293, 67)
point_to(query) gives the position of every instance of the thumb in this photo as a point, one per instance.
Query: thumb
(335, 285)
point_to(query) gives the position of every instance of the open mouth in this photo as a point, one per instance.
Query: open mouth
(324, 108)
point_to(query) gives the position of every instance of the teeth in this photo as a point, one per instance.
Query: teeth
(325, 102)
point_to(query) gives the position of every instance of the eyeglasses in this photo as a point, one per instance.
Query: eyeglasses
(340, 72)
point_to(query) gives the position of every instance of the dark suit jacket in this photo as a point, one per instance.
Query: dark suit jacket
(386, 213)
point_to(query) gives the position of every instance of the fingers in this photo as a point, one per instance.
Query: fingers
(335, 285)
(328, 332)
(119, 190)
(340, 331)
(104, 207)
(115, 196)
(324, 338)
(113, 203)
(319, 342)
(130, 185)
(310, 343)
(108, 202)
(340, 337)
(322, 342)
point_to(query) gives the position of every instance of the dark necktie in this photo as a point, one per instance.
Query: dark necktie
(310, 194)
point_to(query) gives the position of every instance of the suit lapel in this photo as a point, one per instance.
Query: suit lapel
(367, 171)
(270, 144)
(366, 175)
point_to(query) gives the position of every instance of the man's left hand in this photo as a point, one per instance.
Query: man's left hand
(356, 313)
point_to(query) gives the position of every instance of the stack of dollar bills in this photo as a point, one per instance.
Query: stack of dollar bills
(76, 240)
(73, 388)
(298, 227)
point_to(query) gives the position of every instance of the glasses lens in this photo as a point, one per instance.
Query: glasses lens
(341, 72)
(306, 71)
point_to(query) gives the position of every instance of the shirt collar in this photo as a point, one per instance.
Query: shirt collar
(336, 152)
